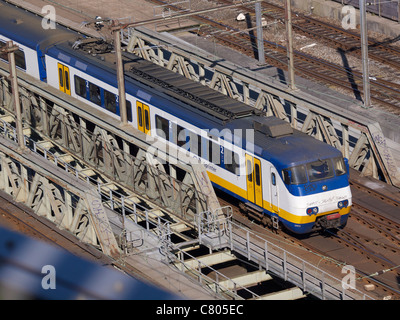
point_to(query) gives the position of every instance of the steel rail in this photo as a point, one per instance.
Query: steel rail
(383, 92)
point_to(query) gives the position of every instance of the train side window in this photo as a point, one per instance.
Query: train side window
(140, 116)
(273, 179)
(66, 73)
(110, 101)
(258, 174)
(19, 56)
(80, 86)
(195, 143)
(20, 59)
(231, 160)
(94, 94)
(339, 166)
(295, 175)
(60, 76)
(147, 118)
(249, 171)
(129, 110)
(162, 127)
(180, 135)
(214, 153)
(3, 54)
(286, 176)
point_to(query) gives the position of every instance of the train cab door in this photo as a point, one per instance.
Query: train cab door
(143, 117)
(64, 79)
(274, 190)
(254, 180)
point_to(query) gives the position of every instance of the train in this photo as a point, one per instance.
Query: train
(279, 175)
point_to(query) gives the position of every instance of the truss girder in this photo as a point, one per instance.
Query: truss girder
(24, 178)
(319, 119)
(113, 158)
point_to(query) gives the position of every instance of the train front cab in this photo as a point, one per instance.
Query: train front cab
(323, 197)
(285, 202)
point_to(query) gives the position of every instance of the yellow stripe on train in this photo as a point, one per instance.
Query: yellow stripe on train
(268, 206)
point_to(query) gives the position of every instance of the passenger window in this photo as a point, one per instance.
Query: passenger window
(162, 127)
(80, 87)
(129, 110)
(110, 101)
(195, 143)
(231, 160)
(19, 56)
(20, 59)
(214, 153)
(181, 136)
(94, 94)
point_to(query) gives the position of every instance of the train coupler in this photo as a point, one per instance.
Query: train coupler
(329, 221)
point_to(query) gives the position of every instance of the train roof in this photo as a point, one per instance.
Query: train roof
(26, 28)
(295, 149)
(202, 106)
(284, 146)
(221, 107)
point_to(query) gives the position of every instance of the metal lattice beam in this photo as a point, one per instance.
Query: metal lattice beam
(320, 119)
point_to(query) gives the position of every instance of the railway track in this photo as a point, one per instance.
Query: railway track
(384, 93)
(349, 41)
(370, 242)
(387, 228)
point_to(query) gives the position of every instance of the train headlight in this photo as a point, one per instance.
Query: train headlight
(343, 204)
(312, 210)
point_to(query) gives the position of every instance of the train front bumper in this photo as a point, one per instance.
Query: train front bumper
(324, 220)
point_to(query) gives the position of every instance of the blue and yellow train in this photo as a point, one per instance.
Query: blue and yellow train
(279, 174)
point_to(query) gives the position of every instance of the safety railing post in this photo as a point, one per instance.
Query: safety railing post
(304, 276)
(284, 266)
(248, 245)
(230, 236)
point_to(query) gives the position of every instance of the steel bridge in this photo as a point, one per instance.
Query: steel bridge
(360, 138)
(98, 180)
(111, 187)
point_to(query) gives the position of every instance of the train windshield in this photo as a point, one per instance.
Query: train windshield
(314, 171)
(295, 175)
(321, 169)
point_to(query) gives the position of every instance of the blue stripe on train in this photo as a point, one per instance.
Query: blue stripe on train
(294, 227)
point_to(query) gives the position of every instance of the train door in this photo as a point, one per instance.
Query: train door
(254, 180)
(274, 190)
(64, 79)
(143, 117)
